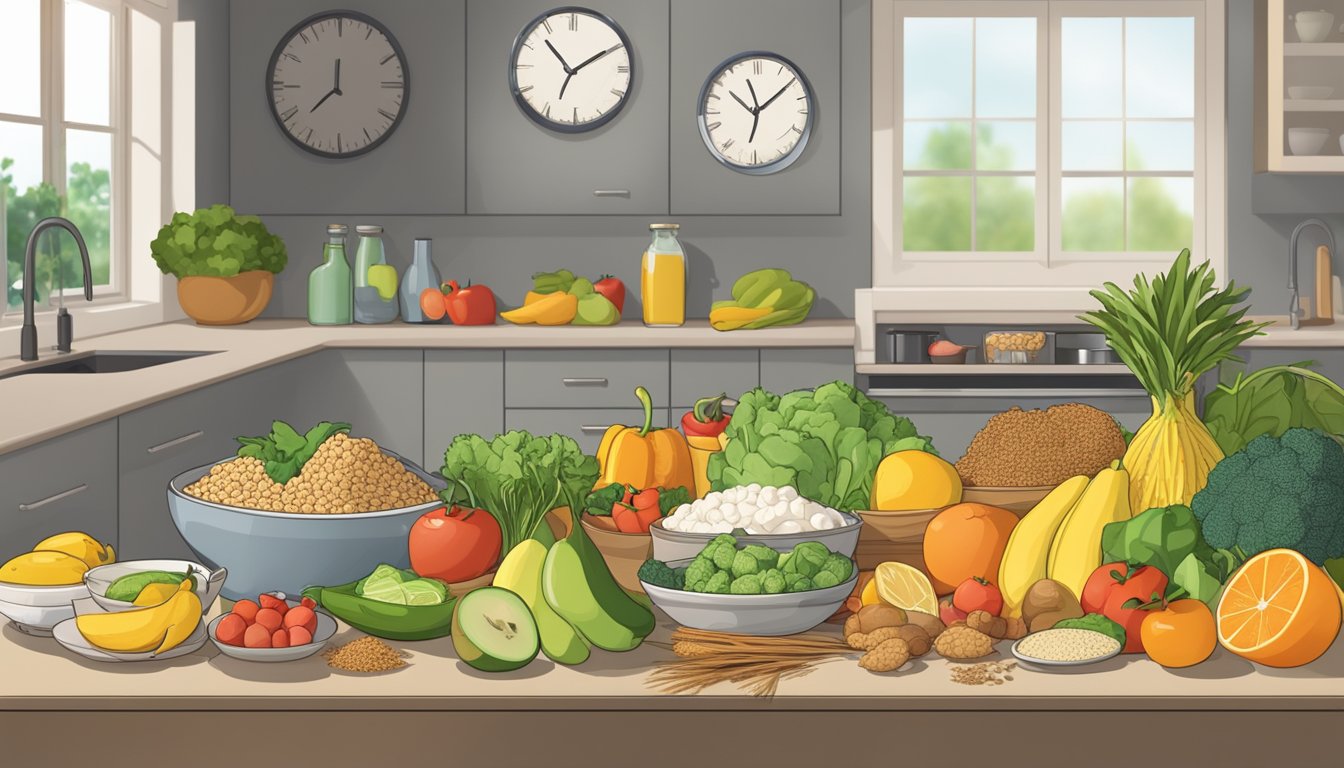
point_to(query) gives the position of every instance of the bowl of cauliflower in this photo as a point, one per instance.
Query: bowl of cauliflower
(751, 589)
(773, 517)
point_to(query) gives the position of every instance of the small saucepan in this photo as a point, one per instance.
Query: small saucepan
(907, 346)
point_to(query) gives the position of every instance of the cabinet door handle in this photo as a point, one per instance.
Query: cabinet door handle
(176, 441)
(593, 429)
(611, 193)
(594, 382)
(52, 499)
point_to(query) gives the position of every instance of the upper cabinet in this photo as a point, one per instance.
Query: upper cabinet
(356, 110)
(568, 112)
(782, 156)
(1303, 88)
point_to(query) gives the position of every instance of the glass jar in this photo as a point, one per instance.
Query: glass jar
(662, 278)
(331, 294)
(370, 252)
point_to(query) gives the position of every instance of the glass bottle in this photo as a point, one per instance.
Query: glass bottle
(331, 295)
(662, 278)
(420, 276)
(369, 253)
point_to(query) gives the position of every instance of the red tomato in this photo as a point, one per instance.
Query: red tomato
(1116, 591)
(473, 305)
(977, 594)
(613, 289)
(247, 609)
(302, 616)
(300, 636)
(432, 303)
(274, 603)
(280, 639)
(456, 545)
(231, 629)
(270, 619)
(949, 613)
(257, 636)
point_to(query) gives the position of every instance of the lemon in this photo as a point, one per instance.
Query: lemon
(909, 480)
(903, 586)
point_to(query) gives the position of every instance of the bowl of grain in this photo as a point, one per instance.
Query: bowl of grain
(1065, 649)
(350, 508)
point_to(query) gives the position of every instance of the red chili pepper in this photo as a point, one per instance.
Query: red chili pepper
(707, 418)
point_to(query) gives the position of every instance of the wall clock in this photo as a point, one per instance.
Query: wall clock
(338, 84)
(756, 112)
(571, 69)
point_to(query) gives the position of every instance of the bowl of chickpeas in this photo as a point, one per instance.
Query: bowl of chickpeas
(1019, 347)
(350, 508)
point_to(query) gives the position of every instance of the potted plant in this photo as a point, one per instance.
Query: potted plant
(225, 264)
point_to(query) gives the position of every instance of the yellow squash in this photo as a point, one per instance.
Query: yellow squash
(552, 309)
(643, 456)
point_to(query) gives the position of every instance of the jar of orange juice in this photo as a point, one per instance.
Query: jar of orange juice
(662, 278)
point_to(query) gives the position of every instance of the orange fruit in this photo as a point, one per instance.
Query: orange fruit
(1181, 635)
(911, 480)
(1279, 609)
(966, 541)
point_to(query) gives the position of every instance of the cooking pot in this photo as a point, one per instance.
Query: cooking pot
(907, 346)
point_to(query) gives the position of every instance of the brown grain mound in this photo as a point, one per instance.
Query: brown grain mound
(1020, 448)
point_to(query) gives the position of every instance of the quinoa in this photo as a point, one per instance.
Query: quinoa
(986, 673)
(1018, 448)
(1067, 644)
(367, 654)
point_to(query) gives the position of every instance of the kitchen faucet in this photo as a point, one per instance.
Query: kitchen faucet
(1294, 310)
(64, 323)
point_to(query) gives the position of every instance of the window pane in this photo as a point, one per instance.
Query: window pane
(1092, 146)
(1005, 146)
(937, 146)
(937, 67)
(89, 198)
(1093, 216)
(937, 213)
(1160, 67)
(1161, 147)
(88, 63)
(1161, 214)
(1091, 60)
(24, 199)
(1005, 213)
(1005, 67)
(21, 57)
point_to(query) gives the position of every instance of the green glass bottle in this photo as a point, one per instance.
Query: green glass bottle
(331, 288)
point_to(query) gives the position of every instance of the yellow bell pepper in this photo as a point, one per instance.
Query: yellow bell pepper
(645, 457)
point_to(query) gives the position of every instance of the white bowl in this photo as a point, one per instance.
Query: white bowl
(46, 597)
(37, 620)
(326, 627)
(1307, 141)
(1313, 26)
(680, 545)
(98, 580)
(1310, 91)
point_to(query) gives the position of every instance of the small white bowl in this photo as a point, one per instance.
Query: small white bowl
(326, 627)
(98, 580)
(36, 620)
(1310, 91)
(1307, 141)
(42, 597)
(1313, 26)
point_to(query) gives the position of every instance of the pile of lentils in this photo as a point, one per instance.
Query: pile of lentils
(367, 654)
(346, 475)
(1018, 448)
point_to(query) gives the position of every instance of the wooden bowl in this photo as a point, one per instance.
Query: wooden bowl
(887, 536)
(225, 300)
(1019, 501)
(623, 552)
(460, 588)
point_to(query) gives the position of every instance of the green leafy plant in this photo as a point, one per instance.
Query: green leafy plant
(216, 242)
(284, 451)
(1272, 401)
(1170, 540)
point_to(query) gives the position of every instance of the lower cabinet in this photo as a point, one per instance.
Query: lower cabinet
(68, 483)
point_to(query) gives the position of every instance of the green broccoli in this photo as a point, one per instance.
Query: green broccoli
(658, 573)
(719, 583)
(1277, 492)
(746, 585)
(802, 584)
(773, 582)
(825, 579)
(745, 565)
(767, 557)
(721, 550)
(698, 573)
(807, 558)
(839, 565)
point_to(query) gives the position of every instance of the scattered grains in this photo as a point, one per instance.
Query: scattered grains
(367, 654)
(986, 673)
(1020, 448)
(1067, 644)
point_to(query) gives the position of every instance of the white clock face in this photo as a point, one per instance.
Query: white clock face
(571, 70)
(338, 84)
(755, 113)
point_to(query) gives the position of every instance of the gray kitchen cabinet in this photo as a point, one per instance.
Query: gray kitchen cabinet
(584, 378)
(708, 32)
(419, 169)
(68, 483)
(784, 370)
(698, 373)
(586, 425)
(464, 394)
(515, 166)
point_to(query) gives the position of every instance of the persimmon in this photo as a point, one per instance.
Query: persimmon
(966, 541)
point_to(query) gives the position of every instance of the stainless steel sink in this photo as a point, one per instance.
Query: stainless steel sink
(103, 362)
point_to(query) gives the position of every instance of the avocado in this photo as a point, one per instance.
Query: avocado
(494, 631)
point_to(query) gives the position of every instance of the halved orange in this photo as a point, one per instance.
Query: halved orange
(1279, 609)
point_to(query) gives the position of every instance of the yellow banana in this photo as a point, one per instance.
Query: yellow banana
(1076, 551)
(1028, 552)
(551, 309)
(80, 545)
(732, 318)
(158, 628)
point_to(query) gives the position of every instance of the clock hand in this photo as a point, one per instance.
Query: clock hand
(754, 100)
(739, 100)
(755, 120)
(771, 100)
(321, 101)
(337, 87)
(563, 63)
(565, 85)
(596, 56)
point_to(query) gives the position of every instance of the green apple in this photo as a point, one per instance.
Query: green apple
(384, 278)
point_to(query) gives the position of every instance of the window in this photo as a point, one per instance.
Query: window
(1044, 143)
(81, 84)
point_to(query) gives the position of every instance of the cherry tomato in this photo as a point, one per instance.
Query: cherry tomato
(977, 594)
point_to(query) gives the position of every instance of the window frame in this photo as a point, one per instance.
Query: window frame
(1006, 280)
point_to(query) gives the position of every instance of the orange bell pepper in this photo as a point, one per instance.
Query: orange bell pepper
(645, 457)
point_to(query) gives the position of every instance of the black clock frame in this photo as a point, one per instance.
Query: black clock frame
(786, 160)
(542, 120)
(396, 48)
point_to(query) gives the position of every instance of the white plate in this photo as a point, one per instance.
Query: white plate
(1049, 665)
(68, 635)
(326, 627)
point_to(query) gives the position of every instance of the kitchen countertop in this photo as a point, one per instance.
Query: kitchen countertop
(90, 398)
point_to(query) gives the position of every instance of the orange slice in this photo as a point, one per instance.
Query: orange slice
(1279, 609)
(903, 586)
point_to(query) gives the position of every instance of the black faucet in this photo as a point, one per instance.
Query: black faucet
(64, 323)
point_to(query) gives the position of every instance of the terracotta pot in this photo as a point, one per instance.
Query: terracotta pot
(225, 300)
(623, 552)
(895, 536)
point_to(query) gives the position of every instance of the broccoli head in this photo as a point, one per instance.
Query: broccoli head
(1277, 492)
(802, 584)
(745, 565)
(746, 585)
(721, 551)
(718, 583)
(658, 573)
(807, 558)
(767, 557)
(698, 574)
(772, 582)
(839, 565)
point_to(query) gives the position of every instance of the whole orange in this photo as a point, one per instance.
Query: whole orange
(1181, 635)
(966, 541)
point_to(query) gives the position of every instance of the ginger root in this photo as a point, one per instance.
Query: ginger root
(961, 642)
(996, 626)
(915, 637)
(870, 618)
(886, 656)
(867, 641)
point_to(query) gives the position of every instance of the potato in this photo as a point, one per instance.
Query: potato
(871, 618)
(1048, 602)
(932, 625)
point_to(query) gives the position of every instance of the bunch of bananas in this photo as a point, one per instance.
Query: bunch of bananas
(761, 299)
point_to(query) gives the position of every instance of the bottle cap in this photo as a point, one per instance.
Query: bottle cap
(337, 229)
(672, 227)
(369, 229)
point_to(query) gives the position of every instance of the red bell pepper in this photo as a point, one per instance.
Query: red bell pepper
(473, 305)
(707, 418)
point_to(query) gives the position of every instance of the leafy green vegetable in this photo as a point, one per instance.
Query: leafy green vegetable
(1095, 622)
(1169, 539)
(284, 451)
(671, 498)
(600, 501)
(657, 573)
(826, 443)
(216, 242)
(1271, 401)
(518, 478)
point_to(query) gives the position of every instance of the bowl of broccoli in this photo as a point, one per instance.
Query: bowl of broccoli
(751, 589)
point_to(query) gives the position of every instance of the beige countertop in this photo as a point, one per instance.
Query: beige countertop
(41, 675)
(88, 398)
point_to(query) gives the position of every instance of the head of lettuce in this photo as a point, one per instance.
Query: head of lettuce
(826, 443)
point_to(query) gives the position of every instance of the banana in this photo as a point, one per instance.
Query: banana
(159, 628)
(44, 569)
(1076, 551)
(520, 573)
(732, 318)
(1028, 552)
(80, 545)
